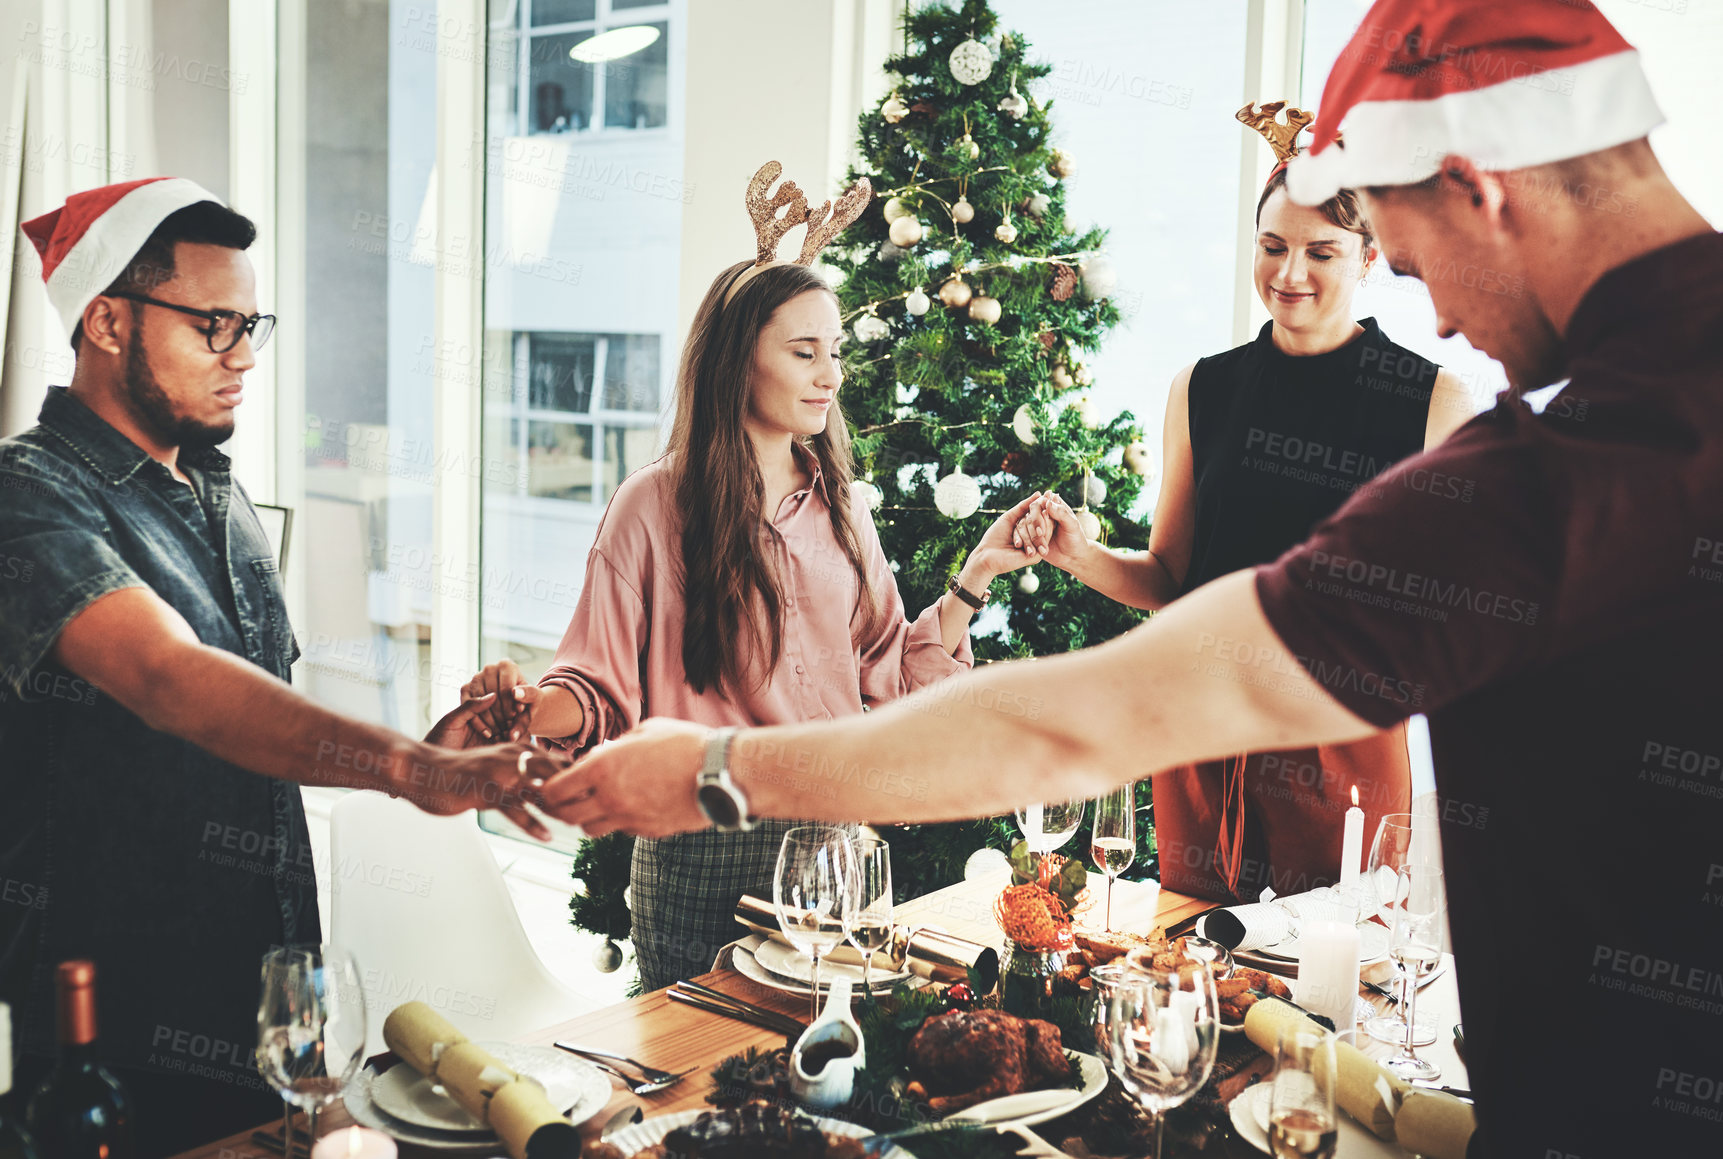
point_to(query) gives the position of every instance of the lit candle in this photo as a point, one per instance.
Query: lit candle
(1033, 827)
(354, 1143)
(1327, 981)
(1352, 845)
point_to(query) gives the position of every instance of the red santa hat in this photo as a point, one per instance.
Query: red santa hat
(1507, 85)
(88, 242)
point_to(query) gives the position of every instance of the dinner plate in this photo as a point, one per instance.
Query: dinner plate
(788, 962)
(403, 1093)
(1372, 946)
(1032, 1107)
(1249, 1114)
(749, 967)
(357, 1100)
(644, 1134)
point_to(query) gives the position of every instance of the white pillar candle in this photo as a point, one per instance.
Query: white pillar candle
(1033, 829)
(354, 1143)
(1327, 981)
(1352, 845)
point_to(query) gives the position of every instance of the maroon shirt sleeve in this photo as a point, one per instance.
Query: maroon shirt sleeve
(1435, 579)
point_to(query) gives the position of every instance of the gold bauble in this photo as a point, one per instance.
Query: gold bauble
(1062, 376)
(1006, 232)
(956, 293)
(905, 231)
(897, 207)
(962, 212)
(1061, 164)
(985, 310)
(894, 110)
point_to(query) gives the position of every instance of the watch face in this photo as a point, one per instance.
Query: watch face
(719, 807)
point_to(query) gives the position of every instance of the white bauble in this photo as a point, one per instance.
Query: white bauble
(1081, 376)
(956, 293)
(905, 231)
(969, 146)
(894, 110)
(1138, 459)
(1014, 106)
(1090, 523)
(985, 310)
(917, 302)
(871, 495)
(958, 496)
(607, 959)
(1023, 426)
(986, 862)
(1087, 411)
(1095, 491)
(896, 207)
(1061, 376)
(1061, 164)
(1028, 583)
(971, 62)
(870, 328)
(962, 212)
(1006, 232)
(1040, 204)
(1099, 278)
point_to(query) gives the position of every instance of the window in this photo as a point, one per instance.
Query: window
(559, 93)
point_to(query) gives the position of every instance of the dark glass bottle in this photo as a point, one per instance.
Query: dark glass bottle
(80, 1111)
(14, 1142)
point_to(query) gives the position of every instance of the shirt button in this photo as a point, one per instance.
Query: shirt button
(800, 670)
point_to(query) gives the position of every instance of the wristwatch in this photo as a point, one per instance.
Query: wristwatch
(720, 799)
(975, 601)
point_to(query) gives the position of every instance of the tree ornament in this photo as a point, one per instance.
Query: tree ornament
(1016, 463)
(917, 302)
(1061, 376)
(1099, 278)
(962, 212)
(1028, 583)
(894, 110)
(971, 63)
(959, 996)
(1090, 523)
(1006, 232)
(905, 231)
(1082, 376)
(1138, 459)
(1040, 204)
(986, 862)
(985, 310)
(970, 148)
(1061, 164)
(1086, 411)
(891, 253)
(956, 293)
(607, 959)
(1014, 106)
(896, 207)
(870, 328)
(1094, 492)
(1064, 281)
(1023, 426)
(870, 494)
(958, 496)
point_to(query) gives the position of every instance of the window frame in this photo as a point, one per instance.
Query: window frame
(604, 19)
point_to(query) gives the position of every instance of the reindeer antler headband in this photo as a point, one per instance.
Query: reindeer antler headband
(824, 223)
(1281, 138)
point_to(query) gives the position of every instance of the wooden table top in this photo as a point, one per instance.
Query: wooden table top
(675, 1036)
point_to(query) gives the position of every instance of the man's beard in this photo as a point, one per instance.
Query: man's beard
(152, 407)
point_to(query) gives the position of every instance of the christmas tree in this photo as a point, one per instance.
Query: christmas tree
(972, 300)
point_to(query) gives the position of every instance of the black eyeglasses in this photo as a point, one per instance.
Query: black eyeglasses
(225, 326)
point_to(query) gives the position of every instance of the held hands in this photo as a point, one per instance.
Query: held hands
(450, 774)
(509, 715)
(1050, 531)
(1001, 549)
(641, 783)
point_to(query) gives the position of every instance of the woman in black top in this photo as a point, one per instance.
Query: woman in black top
(1262, 443)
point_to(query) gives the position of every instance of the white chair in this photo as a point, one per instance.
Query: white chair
(422, 906)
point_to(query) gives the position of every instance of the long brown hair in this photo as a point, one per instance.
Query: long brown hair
(732, 593)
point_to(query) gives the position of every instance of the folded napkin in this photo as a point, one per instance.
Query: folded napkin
(1366, 1091)
(1435, 1125)
(924, 952)
(509, 1103)
(1272, 920)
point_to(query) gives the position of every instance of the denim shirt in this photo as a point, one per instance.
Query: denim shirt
(172, 869)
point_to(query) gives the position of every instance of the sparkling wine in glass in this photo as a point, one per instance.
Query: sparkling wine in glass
(1163, 1028)
(1113, 840)
(1420, 904)
(1301, 1118)
(310, 1026)
(871, 928)
(815, 892)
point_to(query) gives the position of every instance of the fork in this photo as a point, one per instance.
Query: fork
(656, 1078)
(641, 1086)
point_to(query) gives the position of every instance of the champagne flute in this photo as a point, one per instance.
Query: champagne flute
(1113, 842)
(1416, 946)
(814, 890)
(872, 926)
(310, 1026)
(1048, 825)
(1163, 1028)
(1390, 853)
(1301, 1119)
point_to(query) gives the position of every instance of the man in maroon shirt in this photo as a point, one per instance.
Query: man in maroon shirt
(1557, 611)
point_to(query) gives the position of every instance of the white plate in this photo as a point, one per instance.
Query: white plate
(788, 962)
(1372, 946)
(593, 1091)
(644, 1134)
(357, 1100)
(405, 1094)
(1249, 1112)
(1033, 1107)
(749, 967)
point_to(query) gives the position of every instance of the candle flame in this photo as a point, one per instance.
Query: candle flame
(1354, 796)
(355, 1142)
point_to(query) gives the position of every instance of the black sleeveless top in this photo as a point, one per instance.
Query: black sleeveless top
(1279, 442)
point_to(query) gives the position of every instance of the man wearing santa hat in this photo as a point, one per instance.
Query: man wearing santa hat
(1561, 625)
(151, 740)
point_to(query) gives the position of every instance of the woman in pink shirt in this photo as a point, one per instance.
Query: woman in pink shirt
(739, 580)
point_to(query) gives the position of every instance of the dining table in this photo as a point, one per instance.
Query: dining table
(673, 1036)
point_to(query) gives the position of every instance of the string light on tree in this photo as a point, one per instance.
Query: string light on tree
(958, 496)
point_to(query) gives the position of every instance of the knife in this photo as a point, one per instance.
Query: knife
(626, 1117)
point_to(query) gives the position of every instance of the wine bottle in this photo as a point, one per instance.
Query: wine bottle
(80, 1111)
(15, 1143)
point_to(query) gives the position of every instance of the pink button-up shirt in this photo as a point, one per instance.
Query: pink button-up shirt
(622, 653)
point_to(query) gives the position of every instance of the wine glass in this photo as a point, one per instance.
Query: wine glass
(1106, 980)
(1113, 842)
(1048, 825)
(310, 1026)
(814, 890)
(1390, 853)
(1301, 1120)
(1163, 1028)
(870, 930)
(1420, 903)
